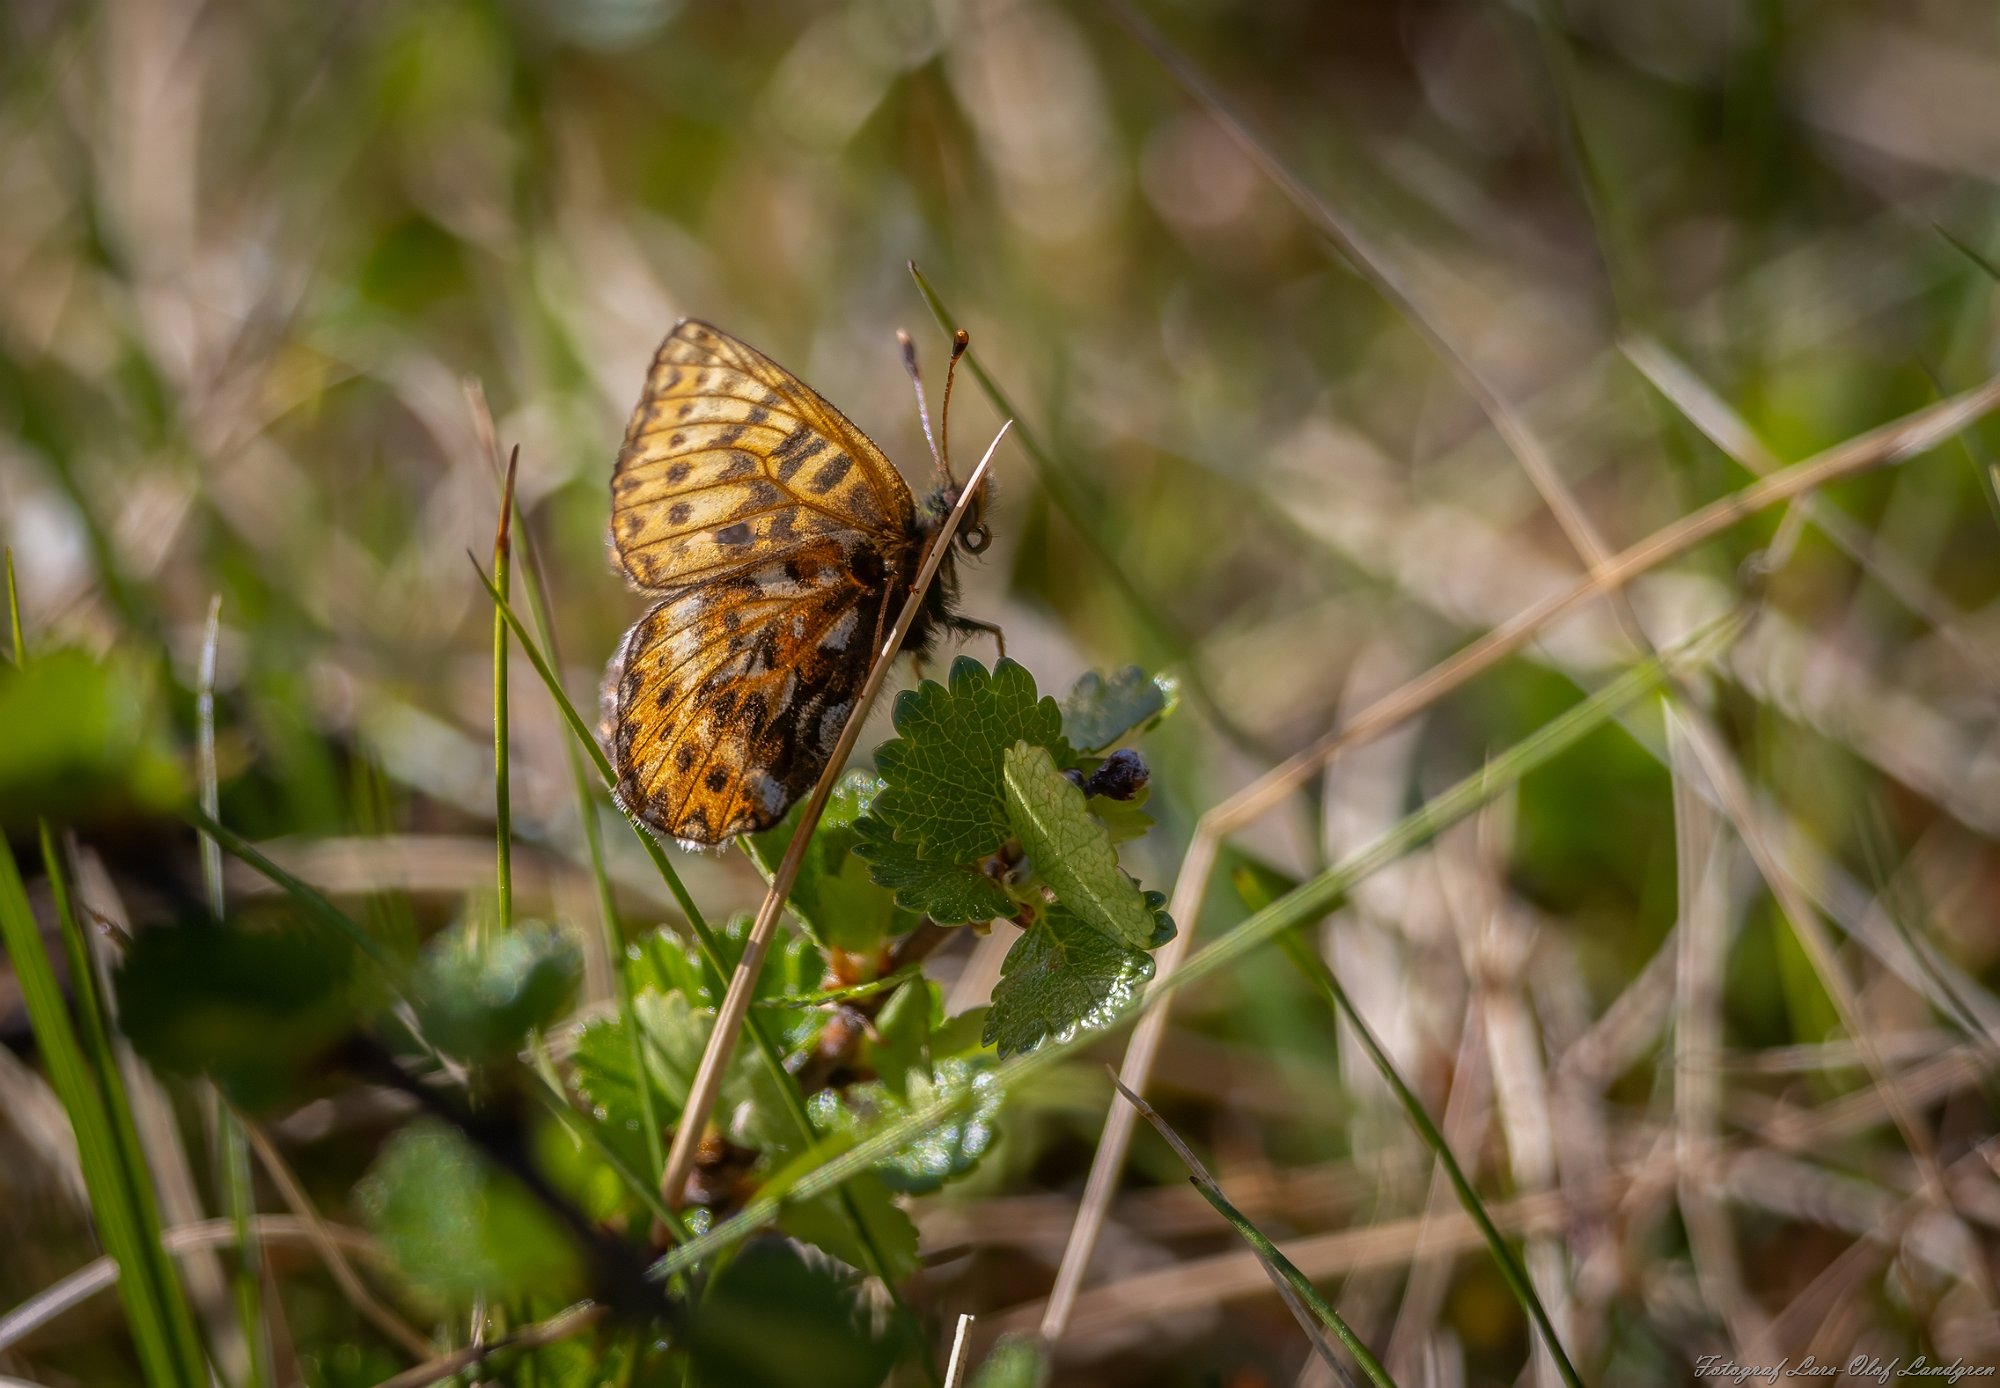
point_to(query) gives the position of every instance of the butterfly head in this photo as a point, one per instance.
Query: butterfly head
(974, 535)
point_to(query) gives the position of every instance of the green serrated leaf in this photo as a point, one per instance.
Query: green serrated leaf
(942, 771)
(662, 961)
(479, 993)
(673, 1033)
(949, 893)
(667, 963)
(1071, 851)
(1063, 975)
(1097, 711)
(835, 896)
(944, 1152)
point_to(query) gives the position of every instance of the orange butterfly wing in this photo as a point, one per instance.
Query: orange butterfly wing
(778, 530)
(730, 459)
(730, 694)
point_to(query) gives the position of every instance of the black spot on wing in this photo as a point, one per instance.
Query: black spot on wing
(797, 449)
(828, 477)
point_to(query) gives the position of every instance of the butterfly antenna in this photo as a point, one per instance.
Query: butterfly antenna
(960, 340)
(923, 409)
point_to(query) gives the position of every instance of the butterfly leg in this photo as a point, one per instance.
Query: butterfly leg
(967, 626)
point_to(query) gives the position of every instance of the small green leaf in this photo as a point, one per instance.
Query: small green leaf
(1124, 820)
(662, 961)
(770, 1319)
(480, 993)
(949, 893)
(1071, 851)
(1063, 975)
(672, 1035)
(944, 1152)
(823, 1222)
(250, 1007)
(836, 898)
(666, 963)
(942, 788)
(959, 1036)
(903, 1034)
(458, 1228)
(1097, 712)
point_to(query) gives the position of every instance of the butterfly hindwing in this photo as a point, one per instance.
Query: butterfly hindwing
(727, 697)
(730, 459)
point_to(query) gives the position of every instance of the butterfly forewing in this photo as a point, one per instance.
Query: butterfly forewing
(730, 459)
(777, 532)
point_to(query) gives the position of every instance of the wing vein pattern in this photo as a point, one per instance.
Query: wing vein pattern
(774, 532)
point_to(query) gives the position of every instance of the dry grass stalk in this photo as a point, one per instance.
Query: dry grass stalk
(729, 1016)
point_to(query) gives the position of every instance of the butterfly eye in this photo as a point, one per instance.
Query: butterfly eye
(974, 539)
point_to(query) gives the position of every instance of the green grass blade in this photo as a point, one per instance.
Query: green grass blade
(247, 1281)
(1322, 977)
(233, 1157)
(162, 1347)
(14, 611)
(503, 802)
(888, 982)
(1969, 251)
(848, 1156)
(94, 1025)
(1296, 1288)
(321, 911)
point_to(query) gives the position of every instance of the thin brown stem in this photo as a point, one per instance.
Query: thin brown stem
(574, 1321)
(736, 1003)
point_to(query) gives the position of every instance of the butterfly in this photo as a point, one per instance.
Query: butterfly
(781, 544)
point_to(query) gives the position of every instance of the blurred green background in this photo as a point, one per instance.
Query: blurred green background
(251, 254)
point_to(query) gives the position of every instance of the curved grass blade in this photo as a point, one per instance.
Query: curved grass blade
(1294, 1286)
(162, 1327)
